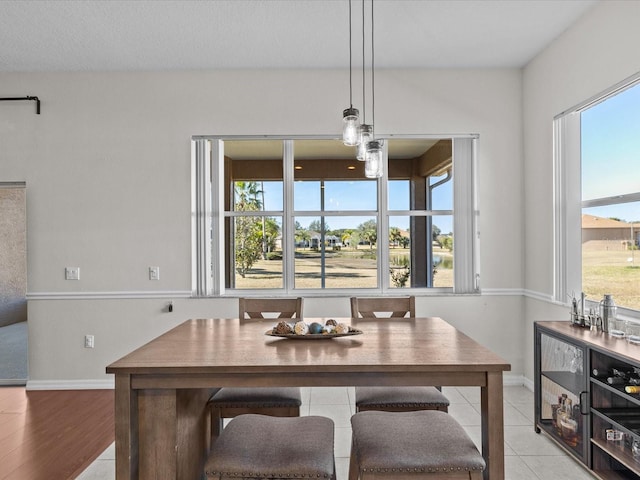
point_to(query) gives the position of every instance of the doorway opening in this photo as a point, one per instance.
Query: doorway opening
(13, 284)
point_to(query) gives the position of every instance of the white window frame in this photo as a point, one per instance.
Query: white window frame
(568, 203)
(208, 255)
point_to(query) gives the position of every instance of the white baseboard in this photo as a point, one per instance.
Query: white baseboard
(512, 380)
(108, 384)
(17, 382)
(528, 384)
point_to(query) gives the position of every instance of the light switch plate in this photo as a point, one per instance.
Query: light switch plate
(154, 273)
(72, 273)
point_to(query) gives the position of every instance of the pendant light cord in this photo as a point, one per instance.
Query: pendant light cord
(364, 102)
(350, 62)
(373, 86)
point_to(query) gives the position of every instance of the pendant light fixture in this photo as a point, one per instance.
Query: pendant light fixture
(365, 133)
(370, 150)
(373, 156)
(373, 159)
(350, 116)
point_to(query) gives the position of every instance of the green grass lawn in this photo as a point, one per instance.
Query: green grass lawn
(346, 268)
(612, 272)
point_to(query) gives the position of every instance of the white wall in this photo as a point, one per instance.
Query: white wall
(599, 51)
(107, 167)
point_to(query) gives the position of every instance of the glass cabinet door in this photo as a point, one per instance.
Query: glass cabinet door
(561, 393)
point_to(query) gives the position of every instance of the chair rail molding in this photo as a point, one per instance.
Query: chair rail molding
(108, 295)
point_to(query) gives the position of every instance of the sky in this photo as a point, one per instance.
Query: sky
(610, 148)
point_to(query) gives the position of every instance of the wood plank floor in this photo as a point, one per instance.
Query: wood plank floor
(53, 434)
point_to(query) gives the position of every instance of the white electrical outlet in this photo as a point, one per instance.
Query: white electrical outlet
(72, 273)
(154, 273)
(89, 341)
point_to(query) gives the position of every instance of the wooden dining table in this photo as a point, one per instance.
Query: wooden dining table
(161, 389)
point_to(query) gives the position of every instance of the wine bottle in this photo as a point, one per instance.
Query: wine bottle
(632, 389)
(616, 380)
(600, 373)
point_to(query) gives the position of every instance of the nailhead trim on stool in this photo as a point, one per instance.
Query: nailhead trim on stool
(406, 398)
(261, 446)
(424, 441)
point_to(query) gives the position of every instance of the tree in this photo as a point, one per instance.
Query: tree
(248, 243)
(435, 231)
(316, 226)
(302, 235)
(247, 193)
(346, 238)
(355, 239)
(368, 232)
(395, 236)
(248, 230)
(447, 242)
(271, 231)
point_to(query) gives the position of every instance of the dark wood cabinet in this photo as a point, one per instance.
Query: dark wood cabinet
(580, 397)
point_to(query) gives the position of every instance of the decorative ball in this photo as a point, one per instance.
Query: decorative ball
(331, 322)
(283, 328)
(301, 328)
(315, 328)
(342, 328)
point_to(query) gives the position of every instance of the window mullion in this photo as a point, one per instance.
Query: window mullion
(288, 229)
(383, 222)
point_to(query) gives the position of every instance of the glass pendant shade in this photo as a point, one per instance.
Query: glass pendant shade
(366, 135)
(350, 126)
(373, 160)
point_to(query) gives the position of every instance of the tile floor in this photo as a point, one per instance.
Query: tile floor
(528, 456)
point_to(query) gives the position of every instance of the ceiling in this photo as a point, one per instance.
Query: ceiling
(152, 35)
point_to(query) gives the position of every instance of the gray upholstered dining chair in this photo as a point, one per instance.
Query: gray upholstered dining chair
(265, 447)
(396, 399)
(229, 402)
(420, 445)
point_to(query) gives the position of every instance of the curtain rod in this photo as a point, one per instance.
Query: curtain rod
(35, 99)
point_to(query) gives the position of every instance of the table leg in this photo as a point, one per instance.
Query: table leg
(126, 428)
(493, 426)
(174, 433)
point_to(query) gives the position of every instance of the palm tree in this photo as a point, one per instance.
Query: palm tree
(394, 236)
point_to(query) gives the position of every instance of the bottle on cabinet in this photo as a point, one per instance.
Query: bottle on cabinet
(567, 419)
(607, 312)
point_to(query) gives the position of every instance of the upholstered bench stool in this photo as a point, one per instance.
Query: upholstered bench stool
(260, 447)
(233, 401)
(400, 399)
(425, 444)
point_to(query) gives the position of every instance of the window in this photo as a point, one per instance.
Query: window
(598, 143)
(298, 214)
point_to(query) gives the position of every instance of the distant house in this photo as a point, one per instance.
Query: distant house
(329, 240)
(600, 233)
